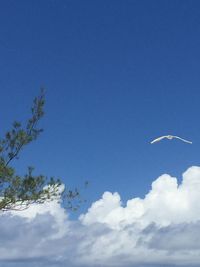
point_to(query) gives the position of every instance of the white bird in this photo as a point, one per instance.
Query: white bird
(170, 137)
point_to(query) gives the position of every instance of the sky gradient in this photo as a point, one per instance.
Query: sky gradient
(117, 75)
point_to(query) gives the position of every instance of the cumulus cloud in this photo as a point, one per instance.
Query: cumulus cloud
(162, 229)
(166, 203)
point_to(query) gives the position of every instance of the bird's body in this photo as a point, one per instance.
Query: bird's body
(170, 137)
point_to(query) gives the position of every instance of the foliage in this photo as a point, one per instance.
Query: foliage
(18, 192)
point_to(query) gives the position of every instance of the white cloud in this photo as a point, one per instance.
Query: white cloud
(163, 228)
(166, 203)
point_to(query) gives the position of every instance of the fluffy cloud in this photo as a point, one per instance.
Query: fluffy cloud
(161, 229)
(166, 203)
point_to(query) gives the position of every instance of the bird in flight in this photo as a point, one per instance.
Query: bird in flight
(170, 137)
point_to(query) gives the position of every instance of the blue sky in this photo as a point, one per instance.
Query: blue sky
(117, 74)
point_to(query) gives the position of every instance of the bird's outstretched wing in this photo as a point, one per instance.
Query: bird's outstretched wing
(186, 141)
(158, 139)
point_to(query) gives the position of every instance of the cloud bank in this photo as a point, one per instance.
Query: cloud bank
(163, 229)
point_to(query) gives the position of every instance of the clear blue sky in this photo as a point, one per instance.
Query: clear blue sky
(117, 74)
